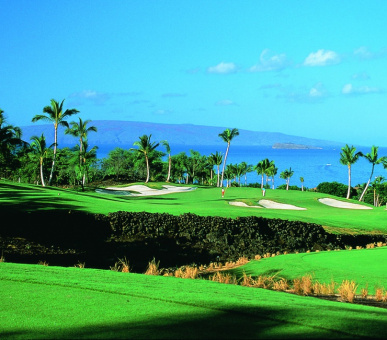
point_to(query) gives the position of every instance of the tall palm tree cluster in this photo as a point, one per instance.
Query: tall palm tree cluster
(18, 157)
(38, 150)
(349, 156)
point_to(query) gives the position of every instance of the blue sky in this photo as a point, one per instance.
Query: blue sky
(309, 68)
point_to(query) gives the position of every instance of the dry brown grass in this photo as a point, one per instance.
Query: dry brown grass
(224, 278)
(122, 265)
(347, 290)
(187, 272)
(281, 285)
(153, 268)
(303, 285)
(242, 260)
(379, 294)
(364, 292)
(80, 265)
(43, 263)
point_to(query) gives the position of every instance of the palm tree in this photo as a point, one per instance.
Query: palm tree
(286, 174)
(39, 148)
(145, 146)
(168, 148)
(264, 168)
(216, 159)
(272, 172)
(227, 136)
(377, 185)
(10, 140)
(260, 171)
(302, 183)
(374, 160)
(349, 157)
(55, 114)
(87, 157)
(229, 174)
(80, 130)
(248, 168)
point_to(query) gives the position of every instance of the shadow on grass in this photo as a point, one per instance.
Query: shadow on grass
(231, 322)
(17, 199)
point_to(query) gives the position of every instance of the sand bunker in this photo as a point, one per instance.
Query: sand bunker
(143, 190)
(340, 204)
(274, 205)
(268, 205)
(241, 204)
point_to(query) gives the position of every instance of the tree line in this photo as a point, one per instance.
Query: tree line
(42, 163)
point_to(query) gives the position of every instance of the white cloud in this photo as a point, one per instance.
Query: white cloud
(349, 89)
(223, 68)
(361, 76)
(315, 94)
(98, 98)
(322, 58)
(364, 53)
(270, 62)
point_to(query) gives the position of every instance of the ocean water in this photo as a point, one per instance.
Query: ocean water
(314, 165)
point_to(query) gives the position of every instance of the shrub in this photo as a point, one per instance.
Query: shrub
(153, 268)
(291, 187)
(335, 189)
(347, 290)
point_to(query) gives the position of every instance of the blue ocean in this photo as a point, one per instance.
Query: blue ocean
(314, 165)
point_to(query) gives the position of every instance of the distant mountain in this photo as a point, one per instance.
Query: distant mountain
(125, 133)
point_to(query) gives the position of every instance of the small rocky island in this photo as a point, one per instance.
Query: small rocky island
(294, 146)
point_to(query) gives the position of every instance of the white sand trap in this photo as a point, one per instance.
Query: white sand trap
(143, 190)
(274, 205)
(268, 205)
(242, 204)
(340, 204)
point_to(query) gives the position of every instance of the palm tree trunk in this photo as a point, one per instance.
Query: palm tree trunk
(169, 167)
(368, 183)
(41, 174)
(224, 164)
(217, 184)
(147, 169)
(349, 181)
(54, 157)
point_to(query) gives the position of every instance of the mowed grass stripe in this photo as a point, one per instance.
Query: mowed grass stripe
(66, 302)
(205, 201)
(366, 267)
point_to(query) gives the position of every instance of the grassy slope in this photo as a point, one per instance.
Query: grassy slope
(55, 302)
(203, 201)
(365, 267)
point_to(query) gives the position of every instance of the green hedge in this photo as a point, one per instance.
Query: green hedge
(176, 240)
(228, 238)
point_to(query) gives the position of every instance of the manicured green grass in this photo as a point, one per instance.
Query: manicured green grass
(366, 267)
(57, 302)
(206, 201)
